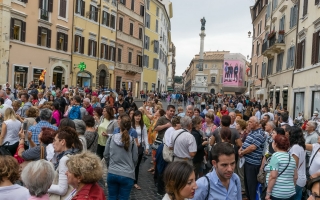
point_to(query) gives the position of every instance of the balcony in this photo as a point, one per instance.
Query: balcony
(129, 69)
(129, 12)
(44, 14)
(274, 45)
(129, 39)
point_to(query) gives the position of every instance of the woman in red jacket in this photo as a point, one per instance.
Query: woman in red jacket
(84, 171)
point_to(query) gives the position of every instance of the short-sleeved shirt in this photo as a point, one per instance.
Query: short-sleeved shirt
(311, 138)
(298, 151)
(162, 121)
(315, 165)
(234, 135)
(257, 138)
(168, 135)
(284, 186)
(184, 144)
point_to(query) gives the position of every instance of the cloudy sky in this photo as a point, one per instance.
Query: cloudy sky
(227, 26)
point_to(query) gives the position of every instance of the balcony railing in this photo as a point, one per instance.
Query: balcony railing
(274, 44)
(265, 46)
(44, 15)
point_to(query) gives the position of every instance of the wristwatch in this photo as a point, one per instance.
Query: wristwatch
(269, 193)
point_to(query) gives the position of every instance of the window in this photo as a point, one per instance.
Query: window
(93, 13)
(148, 4)
(62, 41)
(157, 24)
(123, 2)
(140, 33)
(274, 4)
(104, 51)
(293, 16)
(45, 7)
(24, 1)
(147, 22)
(156, 46)
(213, 79)
(146, 61)
(119, 55)
(270, 66)
(113, 21)
(146, 42)
(290, 57)
(256, 69)
(132, 4)
(157, 12)
(305, 8)
(80, 7)
(316, 2)
(112, 53)
(78, 44)
(44, 37)
(131, 29)
(120, 24)
(142, 10)
(279, 62)
(281, 28)
(18, 30)
(139, 60)
(130, 57)
(106, 18)
(315, 58)
(92, 48)
(301, 54)
(155, 63)
(263, 70)
(258, 49)
(63, 8)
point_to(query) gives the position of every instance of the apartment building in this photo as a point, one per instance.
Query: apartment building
(306, 82)
(5, 7)
(129, 41)
(40, 39)
(94, 43)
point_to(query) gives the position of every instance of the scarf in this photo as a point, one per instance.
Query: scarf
(67, 152)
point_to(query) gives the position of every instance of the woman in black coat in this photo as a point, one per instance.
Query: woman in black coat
(198, 158)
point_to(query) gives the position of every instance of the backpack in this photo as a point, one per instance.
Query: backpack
(75, 113)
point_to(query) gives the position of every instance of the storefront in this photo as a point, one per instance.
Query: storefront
(298, 104)
(36, 76)
(315, 101)
(21, 76)
(58, 77)
(84, 79)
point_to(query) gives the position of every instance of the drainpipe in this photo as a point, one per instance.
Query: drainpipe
(296, 50)
(98, 43)
(72, 46)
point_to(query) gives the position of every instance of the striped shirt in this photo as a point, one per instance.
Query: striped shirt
(284, 186)
(257, 138)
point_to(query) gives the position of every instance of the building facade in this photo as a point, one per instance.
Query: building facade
(306, 84)
(212, 68)
(43, 28)
(94, 43)
(5, 9)
(129, 42)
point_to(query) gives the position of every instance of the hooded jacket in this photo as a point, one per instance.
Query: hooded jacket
(119, 161)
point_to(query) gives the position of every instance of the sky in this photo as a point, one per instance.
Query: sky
(227, 26)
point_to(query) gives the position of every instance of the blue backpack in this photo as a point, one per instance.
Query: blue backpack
(75, 113)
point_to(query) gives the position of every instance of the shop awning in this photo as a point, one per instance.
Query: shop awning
(261, 91)
(231, 93)
(169, 88)
(84, 74)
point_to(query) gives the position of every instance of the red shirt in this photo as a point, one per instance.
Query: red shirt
(90, 110)
(224, 112)
(90, 192)
(94, 94)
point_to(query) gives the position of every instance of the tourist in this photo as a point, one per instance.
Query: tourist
(180, 181)
(314, 164)
(81, 129)
(37, 176)
(90, 134)
(84, 171)
(56, 114)
(95, 102)
(9, 174)
(121, 148)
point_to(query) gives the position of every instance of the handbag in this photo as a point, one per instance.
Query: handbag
(308, 168)
(167, 153)
(4, 149)
(141, 148)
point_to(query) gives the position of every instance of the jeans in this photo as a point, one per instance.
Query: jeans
(298, 195)
(119, 187)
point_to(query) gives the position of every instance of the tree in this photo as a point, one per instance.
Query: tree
(178, 79)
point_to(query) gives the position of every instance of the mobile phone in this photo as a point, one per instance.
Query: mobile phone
(25, 125)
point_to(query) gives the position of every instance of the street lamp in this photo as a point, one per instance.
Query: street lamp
(249, 34)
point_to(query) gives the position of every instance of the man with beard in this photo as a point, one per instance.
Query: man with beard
(122, 103)
(222, 181)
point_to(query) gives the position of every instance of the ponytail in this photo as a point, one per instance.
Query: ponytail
(125, 139)
(125, 126)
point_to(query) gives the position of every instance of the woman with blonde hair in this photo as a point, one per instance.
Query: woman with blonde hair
(84, 171)
(10, 131)
(94, 102)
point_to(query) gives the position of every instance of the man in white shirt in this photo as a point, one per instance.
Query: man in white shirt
(185, 146)
(168, 134)
(240, 107)
(258, 112)
(41, 99)
(103, 98)
(265, 111)
(6, 99)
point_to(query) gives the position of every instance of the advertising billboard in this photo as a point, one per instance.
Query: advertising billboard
(233, 70)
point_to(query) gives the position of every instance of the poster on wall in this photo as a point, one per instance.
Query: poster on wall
(233, 71)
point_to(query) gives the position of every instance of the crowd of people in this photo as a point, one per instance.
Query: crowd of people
(71, 144)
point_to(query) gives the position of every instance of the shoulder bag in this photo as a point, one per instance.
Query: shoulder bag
(4, 149)
(141, 148)
(167, 153)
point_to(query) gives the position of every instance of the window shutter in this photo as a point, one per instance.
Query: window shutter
(113, 21)
(108, 20)
(101, 50)
(314, 60)
(291, 16)
(293, 55)
(63, 8)
(96, 12)
(109, 53)
(77, 4)
(82, 45)
(39, 35)
(65, 47)
(95, 49)
(119, 55)
(120, 23)
(83, 7)
(11, 28)
(316, 2)
(299, 54)
(23, 31)
(305, 7)
(49, 38)
(40, 4)
(58, 38)
(288, 58)
(50, 5)
(147, 61)
(25, 1)
(142, 10)
(131, 29)
(114, 54)
(89, 47)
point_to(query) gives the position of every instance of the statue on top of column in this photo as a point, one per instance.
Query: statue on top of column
(203, 24)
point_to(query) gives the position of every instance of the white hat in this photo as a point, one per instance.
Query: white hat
(315, 113)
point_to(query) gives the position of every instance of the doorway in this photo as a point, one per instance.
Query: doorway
(58, 77)
(102, 78)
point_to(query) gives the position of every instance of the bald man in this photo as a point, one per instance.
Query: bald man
(252, 152)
